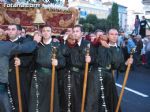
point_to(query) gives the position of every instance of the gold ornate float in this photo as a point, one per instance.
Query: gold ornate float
(57, 17)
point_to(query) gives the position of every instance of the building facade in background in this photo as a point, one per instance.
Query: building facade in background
(122, 12)
(90, 7)
(146, 4)
(100, 9)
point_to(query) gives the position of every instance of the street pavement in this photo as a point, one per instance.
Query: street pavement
(136, 97)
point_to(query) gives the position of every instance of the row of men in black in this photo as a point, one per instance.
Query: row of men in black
(71, 62)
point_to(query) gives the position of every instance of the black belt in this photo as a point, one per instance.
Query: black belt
(75, 69)
(44, 70)
(102, 68)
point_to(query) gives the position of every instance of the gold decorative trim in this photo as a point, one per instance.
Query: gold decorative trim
(75, 15)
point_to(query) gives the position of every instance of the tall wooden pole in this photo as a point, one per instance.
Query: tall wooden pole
(113, 73)
(52, 81)
(124, 83)
(18, 88)
(85, 81)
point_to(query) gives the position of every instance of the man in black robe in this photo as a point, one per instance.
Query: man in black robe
(14, 34)
(117, 56)
(102, 94)
(8, 49)
(41, 82)
(73, 79)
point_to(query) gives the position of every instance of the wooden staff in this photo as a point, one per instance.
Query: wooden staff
(52, 81)
(18, 88)
(124, 82)
(113, 73)
(85, 80)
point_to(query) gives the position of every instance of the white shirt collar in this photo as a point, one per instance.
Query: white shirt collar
(112, 45)
(14, 39)
(79, 43)
(65, 38)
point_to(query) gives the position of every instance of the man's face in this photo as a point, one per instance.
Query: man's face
(92, 36)
(12, 32)
(71, 39)
(113, 36)
(69, 31)
(77, 33)
(143, 17)
(99, 34)
(46, 32)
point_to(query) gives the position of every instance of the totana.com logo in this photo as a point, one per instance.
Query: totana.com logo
(25, 1)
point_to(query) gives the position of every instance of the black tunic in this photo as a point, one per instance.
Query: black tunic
(73, 78)
(117, 59)
(25, 70)
(11, 49)
(41, 82)
(101, 77)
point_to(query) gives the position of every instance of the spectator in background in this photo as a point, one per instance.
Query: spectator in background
(131, 43)
(121, 38)
(99, 36)
(136, 25)
(122, 43)
(92, 37)
(139, 46)
(99, 33)
(144, 40)
(143, 24)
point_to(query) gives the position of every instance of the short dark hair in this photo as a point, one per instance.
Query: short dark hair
(18, 26)
(79, 26)
(24, 28)
(98, 30)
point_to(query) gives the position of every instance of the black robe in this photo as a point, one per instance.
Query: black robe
(41, 82)
(25, 70)
(101, 84)
(11, 48)
(117, 59)
(73, 77)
